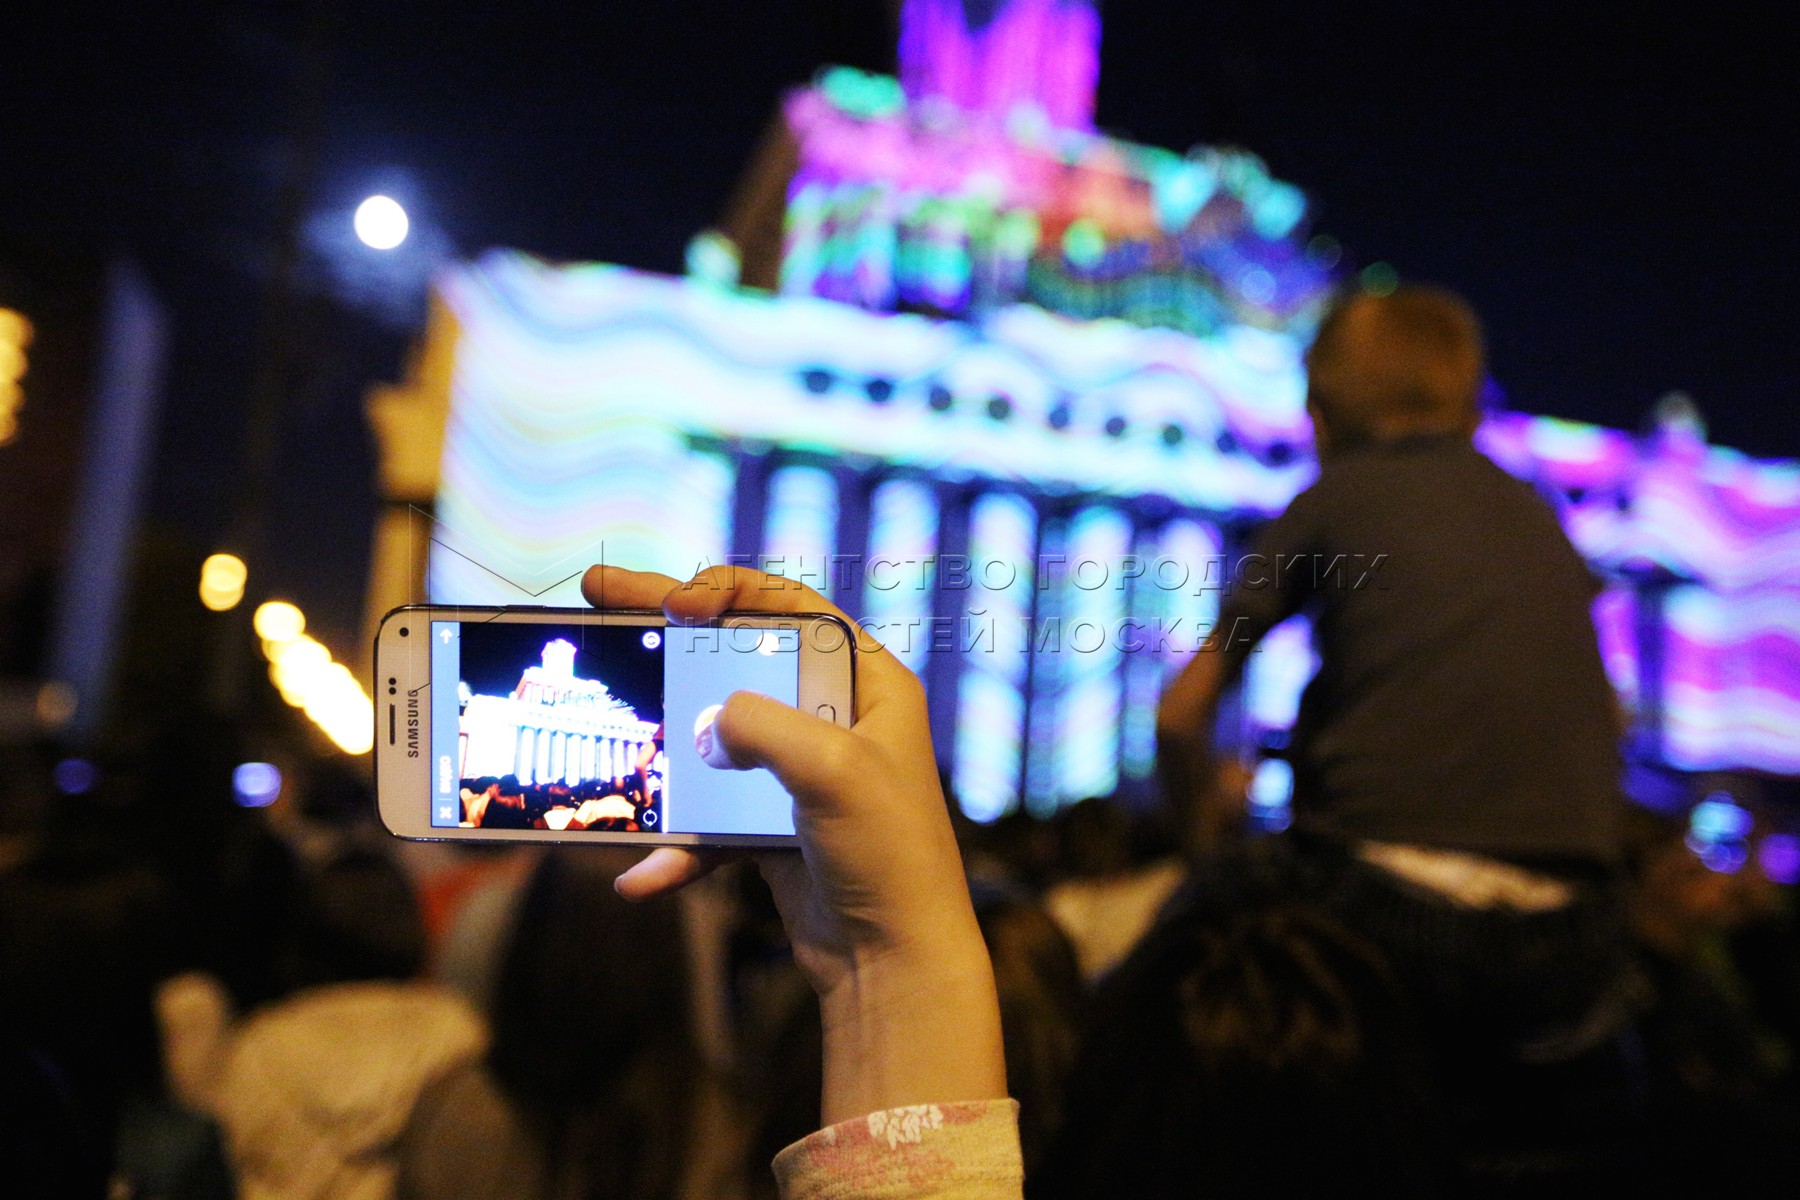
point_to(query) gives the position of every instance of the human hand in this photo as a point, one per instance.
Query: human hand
(875, 900)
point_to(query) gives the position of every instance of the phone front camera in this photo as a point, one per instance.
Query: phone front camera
(404, 631)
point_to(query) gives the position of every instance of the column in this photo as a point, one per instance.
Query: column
(897, 595)
(800, 525)
(992, 650)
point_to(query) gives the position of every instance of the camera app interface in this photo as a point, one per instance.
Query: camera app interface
(571, 727)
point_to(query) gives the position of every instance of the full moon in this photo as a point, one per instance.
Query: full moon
(381, 223)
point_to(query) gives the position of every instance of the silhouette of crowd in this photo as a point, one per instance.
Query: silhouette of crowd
(631, 804)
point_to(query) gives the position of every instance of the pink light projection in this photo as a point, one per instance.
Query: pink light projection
(1665, 502)
(1703, 544)
(1003, 56)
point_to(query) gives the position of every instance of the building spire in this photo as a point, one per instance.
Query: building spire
(1011, 59)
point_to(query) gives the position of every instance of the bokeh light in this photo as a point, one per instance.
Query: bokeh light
(74, 776)
(56, 703)
(222, 578)
(1084, 243)
(256, 784)
(1718, 832)
(15, 337)
(279, 621)
(1325, 250)
(1271, 795)
(381, 223)
(302, 669)
(1380, 279)
(1779, 858)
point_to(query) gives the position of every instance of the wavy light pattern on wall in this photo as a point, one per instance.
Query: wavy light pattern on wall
(1721, 529)
(901, 571)
(1026, 396)
(1732, 679)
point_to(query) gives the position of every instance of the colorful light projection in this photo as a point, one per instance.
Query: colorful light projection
(1173, 608)
(801, 535)
(554, 727)
(1731, 679)
(535, 451)
(1275, 675)
(1700, 621)
(1078, 686)
(989, 753)
(901, 573)
(601, 413)
(1030, 59)
(602, 408)
(960, 214)
(605, 413)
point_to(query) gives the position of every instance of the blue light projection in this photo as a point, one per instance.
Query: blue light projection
(801, 535)
(990, 711)
(900, 574)
(1080, 687)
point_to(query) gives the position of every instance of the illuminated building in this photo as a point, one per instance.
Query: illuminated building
(1013, 387)
(553, 728)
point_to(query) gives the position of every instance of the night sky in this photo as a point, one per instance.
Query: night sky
(495, 655)
(1614, 191)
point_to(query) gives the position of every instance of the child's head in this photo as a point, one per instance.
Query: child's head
(1393, 366)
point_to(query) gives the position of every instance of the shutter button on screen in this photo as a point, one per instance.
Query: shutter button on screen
(829, 712)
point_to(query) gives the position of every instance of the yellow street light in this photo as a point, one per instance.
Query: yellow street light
(222, 578)
(278, 621)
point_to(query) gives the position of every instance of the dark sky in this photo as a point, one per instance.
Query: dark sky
(1613, 190)
(495, 655)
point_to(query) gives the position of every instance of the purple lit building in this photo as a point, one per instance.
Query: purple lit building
(983, 342)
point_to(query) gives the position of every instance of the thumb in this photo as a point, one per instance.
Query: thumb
(809, 755)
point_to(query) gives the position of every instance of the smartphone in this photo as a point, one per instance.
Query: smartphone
(575, 725)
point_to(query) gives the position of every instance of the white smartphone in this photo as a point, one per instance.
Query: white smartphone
(575, 725)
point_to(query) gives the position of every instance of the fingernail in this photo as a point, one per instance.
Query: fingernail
(712, 753)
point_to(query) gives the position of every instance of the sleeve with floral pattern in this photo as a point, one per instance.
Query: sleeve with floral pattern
(967, 1151)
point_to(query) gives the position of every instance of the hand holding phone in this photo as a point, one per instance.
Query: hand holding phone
(875, 901)
(522, 724)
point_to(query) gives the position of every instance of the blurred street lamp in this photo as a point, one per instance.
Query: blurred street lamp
(302, 669)
(279, 621)
(222, 579)
(15, 337)
(381, 223)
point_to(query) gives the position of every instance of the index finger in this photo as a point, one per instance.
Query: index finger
(607, 587)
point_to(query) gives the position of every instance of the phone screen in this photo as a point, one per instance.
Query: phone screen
(572, 727)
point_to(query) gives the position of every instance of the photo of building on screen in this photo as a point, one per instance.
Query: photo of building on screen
(560, 752)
